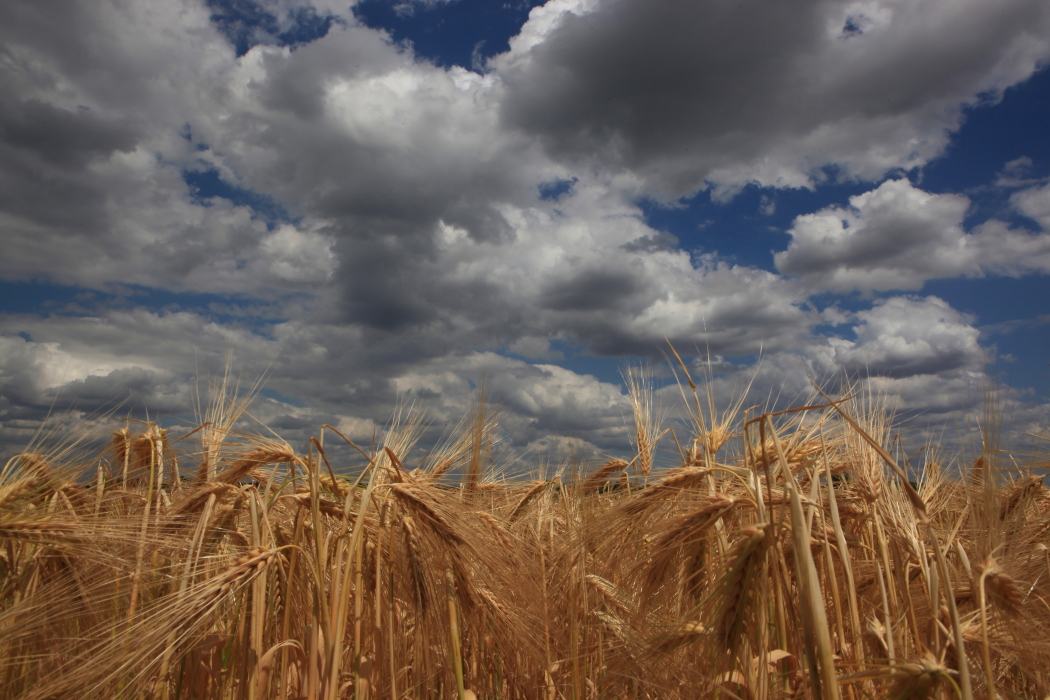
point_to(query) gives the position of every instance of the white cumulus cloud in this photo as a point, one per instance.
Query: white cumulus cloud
(898, 236)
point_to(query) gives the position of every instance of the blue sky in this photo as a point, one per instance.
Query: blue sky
(387, 201)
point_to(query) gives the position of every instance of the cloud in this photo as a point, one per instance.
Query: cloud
(535, 348)
(1034, 203)
(581, 271)
(1004, 327)
(915, 356)
(909, 346)
(62, 137)
(93, 147)
(697, 94)
(539, 400)
(553, 453)
(898, 237)
(1017, 173)
(153, 361)
(33, 371)
(420, 212)
(299, 256)
(896, 345)
(908, 336)
(66, 388)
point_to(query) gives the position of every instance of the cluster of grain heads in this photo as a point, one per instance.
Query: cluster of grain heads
(786, 556)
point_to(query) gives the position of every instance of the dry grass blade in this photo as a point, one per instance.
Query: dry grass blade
(684, 531)
(685, 633)
(736, 587)
(668, 489)
(501, 533)
(1028, 487)
(814, 618)
(646, 422)
(612, 595)
(685, 527)
(254, 459)
(599, 477)
(14, 490)
(415, 560)
(41, 531)
(195, 500)
(530, 494)
(1002, 589)
(918, 680)
(420, 502)
(913, 496)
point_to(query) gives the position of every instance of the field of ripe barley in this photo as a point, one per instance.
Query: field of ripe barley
(787, 555)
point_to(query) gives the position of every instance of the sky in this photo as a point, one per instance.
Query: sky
(386, 203)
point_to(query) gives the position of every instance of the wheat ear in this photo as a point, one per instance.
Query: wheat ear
(598, 478)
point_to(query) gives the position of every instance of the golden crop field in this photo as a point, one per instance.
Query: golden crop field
(783, 557)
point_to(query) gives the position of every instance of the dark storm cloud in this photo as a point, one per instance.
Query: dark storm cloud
(18, 384)
(91, 105)
(133, 388)
(286, 423)
(593, 290)
(399, 284)
(41, 194)
(44, 154)
(66, 138)
(684, 92)
(637, 77)
(36, 388)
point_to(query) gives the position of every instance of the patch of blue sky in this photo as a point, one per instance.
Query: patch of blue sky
(1008, 309)
(208, 183)
(1011, 313)
(994, 135)
(246, 24)
(556, 189)
(461, 33)
(1001, 148)
(575, 355)
(43, 298)
(748, 229)
(186, 132)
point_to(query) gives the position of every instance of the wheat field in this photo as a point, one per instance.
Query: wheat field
(788, 555)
